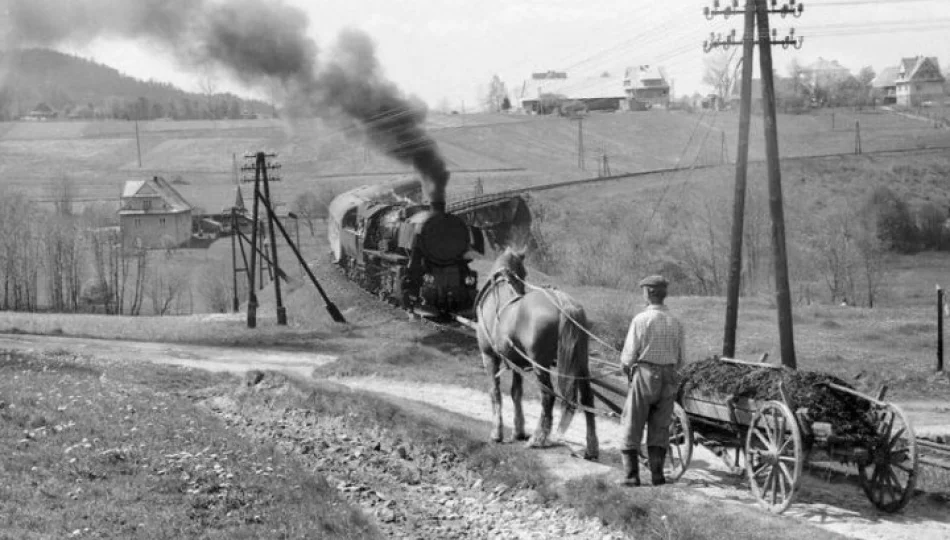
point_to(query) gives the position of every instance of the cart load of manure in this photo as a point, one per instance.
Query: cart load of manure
(847, 414)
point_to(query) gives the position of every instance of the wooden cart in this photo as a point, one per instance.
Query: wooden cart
(776, 441)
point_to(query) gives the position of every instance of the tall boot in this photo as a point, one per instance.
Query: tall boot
(657, 456)
(631, 468)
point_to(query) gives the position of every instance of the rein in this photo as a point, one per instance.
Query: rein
(500, 276)
(505, 275)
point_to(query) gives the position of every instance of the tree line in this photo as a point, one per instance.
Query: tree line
(67, 260)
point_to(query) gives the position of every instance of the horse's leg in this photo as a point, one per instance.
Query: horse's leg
(541, 433)
(587, 400)
(517, 391)
(493, 367)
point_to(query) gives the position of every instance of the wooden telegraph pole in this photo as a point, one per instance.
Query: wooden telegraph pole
(264, 166)
(742, 159)
(264, 172)
(757, 12)
(783, 294)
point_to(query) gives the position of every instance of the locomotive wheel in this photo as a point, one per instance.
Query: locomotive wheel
(890, 472)
(774, 456)
(680, 450)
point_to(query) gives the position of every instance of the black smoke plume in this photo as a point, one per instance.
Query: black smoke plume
(257, 41)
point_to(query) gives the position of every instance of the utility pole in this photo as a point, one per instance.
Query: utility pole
(236, 305)
(757, 12)
(264, 172)
(580, 142)
(138, 145)
(264, 166)
(742, 157)
(783, 294)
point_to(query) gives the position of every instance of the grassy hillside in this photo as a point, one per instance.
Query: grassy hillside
(75, 86)
(529, 150)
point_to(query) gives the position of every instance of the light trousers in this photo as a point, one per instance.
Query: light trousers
(650, 401)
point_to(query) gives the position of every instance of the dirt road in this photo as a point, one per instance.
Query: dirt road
(839, 506)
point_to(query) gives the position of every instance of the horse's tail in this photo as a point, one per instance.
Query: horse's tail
(572, 357)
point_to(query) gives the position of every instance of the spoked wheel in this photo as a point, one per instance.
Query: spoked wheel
(680, 450)
(774, 456)
(890, 473)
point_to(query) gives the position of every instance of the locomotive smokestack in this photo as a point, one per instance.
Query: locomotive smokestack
(437, 206)
(259, 42)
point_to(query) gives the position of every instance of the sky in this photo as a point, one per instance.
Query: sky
(446, 51)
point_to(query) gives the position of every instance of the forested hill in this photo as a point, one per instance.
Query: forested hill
(73, 87)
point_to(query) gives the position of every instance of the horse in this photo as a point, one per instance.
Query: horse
(539, 329)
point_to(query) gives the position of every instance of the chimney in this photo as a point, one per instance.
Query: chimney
(437, 207)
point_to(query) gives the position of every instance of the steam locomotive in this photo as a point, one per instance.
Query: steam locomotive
(411, 254)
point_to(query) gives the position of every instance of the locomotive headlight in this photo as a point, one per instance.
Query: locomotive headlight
(470, 280)
(429, 279)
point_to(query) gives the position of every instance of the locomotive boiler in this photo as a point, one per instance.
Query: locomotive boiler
(413, 255)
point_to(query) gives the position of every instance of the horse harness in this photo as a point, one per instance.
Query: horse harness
(507, 276)
(501, 276)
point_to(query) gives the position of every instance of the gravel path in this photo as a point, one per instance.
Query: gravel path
(411, 494)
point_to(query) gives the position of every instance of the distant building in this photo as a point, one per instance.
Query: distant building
(823, 73)
(918, 81)
(152, 215)
(544, 93)
(41, 113)
(646, 86)
(884, 86)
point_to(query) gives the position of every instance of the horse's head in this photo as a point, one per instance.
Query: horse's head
(511, 261)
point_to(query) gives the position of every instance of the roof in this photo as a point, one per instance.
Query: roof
(645, 76)
(156, 187)
(574, 88)
(824, 65)
(920, 69)
(887, 77)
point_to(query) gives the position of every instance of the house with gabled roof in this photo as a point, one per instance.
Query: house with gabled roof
(153, 215)
(545, 92)
(919, 80)
(646, 86)
(41, 113)
(884, 85)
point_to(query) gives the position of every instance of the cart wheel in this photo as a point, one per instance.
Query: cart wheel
(774, 456)
(889, 475)
(680, 451)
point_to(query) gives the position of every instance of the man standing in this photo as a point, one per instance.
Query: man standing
(652, 353)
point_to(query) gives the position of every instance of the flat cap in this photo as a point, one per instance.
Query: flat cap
(654, 282)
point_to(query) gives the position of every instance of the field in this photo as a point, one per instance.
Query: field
(515, 151)
(606, 235)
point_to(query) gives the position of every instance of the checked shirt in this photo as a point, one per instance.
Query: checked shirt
(655, 337)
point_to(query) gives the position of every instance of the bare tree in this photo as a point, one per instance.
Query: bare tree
(720, 73)
(497, 92)
(314, 205)
(62, 241)
(209, 86)
(165, 285)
